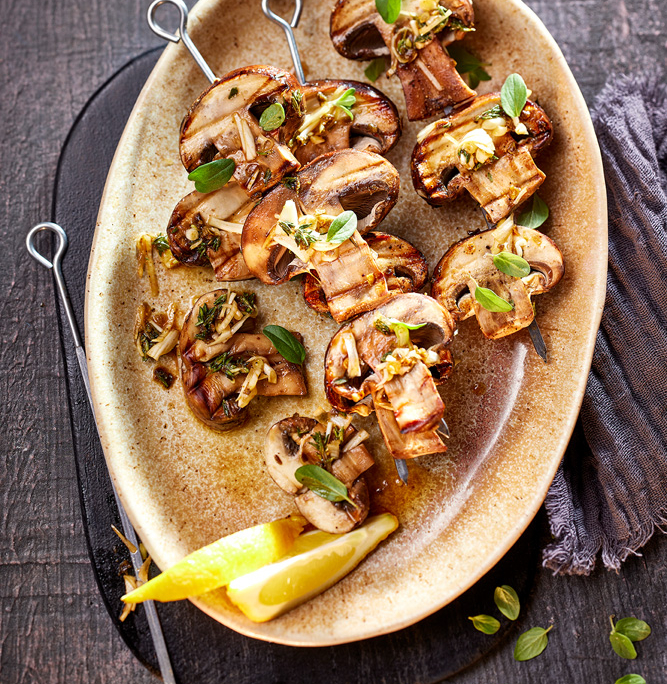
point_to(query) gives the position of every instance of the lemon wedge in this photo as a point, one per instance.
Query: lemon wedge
(217, 564)
(316, 561)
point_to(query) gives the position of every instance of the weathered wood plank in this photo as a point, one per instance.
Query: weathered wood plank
(53, 626)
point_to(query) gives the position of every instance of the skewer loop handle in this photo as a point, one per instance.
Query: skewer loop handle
(180, 35)
(287, 26)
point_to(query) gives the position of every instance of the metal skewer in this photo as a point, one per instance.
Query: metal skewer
(137, 561)
(402, 469)
(287, 26)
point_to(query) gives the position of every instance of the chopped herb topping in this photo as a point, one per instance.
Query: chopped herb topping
(161, 243)
(492, 113)
(228, 364)
(233, 93)
(164, 377)
(292, 183)
(297, 102)
(206, 317)
(320, 442)
(246, 302)
(267, 176)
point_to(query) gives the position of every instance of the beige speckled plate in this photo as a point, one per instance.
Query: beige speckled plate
(510, 415)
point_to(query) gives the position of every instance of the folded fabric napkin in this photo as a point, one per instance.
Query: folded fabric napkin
(612, 498)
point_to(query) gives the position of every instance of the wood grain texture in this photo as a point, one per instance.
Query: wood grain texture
(53, 626)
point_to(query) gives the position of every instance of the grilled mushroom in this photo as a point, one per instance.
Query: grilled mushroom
(484, 151)
(415, 43)
(206, 228)
(297, 441)
(469, 263)
(284, 235)
(223, 123)
(398, 368)
(224, 365)
(403, 266)
(319, 126)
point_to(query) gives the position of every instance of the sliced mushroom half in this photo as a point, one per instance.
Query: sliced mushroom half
(286, 233)
(469, 264)
(415, 44)
(319, 126)
(290, 444)
(206, 228)
(485, 152)
(404, 268)
(223, 123)
(397, 370)
(224, 365)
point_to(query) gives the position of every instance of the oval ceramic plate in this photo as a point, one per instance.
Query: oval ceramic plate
(510, 414)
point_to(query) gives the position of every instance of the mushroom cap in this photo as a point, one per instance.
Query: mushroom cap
(472, 258)
(335, 518)
(404, 267)
(363, 182)
(372, 345)
(439, 176)
(355, 27)
(196, 210)
(376, 126)
(212, 395)
(430, 82)
(282, 454)
(211, 131)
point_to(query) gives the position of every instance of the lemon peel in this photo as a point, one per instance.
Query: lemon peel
(217, 564)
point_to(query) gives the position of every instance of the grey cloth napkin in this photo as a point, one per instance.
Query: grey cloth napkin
(613, 498)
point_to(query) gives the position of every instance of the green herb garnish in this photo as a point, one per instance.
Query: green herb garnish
(535, 215)
(267, 176)
(228, 364)
(323, 483)
(493, 113)
(340, 381)
(346, 101)
(161, 243)
(164, 377)
(291, 183)
(246, 302)
(491, 301)
(272, 117)
(485, 624)
(388, 10)
(513, 95)
(387, 326)
(531, 643)
(511, 264)
(634, 629)
(342, 227)
(233, 93)
(146, 337)
(297, 102)
(631, 679)
(467, 63)
(206, 317)
(375, 69)
(212, 176)
(507, 601)
(320, 442)
(285, 343)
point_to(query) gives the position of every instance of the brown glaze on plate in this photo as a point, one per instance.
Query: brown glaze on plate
(185, 485)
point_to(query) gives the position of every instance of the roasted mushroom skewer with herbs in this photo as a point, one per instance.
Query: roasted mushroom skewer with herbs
(390, 360)
(415, 40)
(302, 451)
(484, 150)
(224, 364)
(317, 225)
(494, 274)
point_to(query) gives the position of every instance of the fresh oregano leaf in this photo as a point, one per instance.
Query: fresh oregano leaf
(388, 10)
(513, 95)
(375, 69)
(535, 215)
(531, 643)
(485, 624)
(342, 227)
(512, 264)
(272, 117)
(491, 301)
(634, 629)
(505, 597)
(622, 646)
(631, 679)
(323, 483)
(212, 176)
(285, 343)
(467, 63)
(392, 325)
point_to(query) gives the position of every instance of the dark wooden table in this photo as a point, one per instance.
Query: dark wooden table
(53, 626)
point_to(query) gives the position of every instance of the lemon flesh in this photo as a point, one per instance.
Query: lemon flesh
(316, 562)
(219, 563)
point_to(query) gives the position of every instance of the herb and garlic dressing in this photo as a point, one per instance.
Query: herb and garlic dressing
(321, 112)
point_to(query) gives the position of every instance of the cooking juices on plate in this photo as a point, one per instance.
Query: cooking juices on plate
(290, 182)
